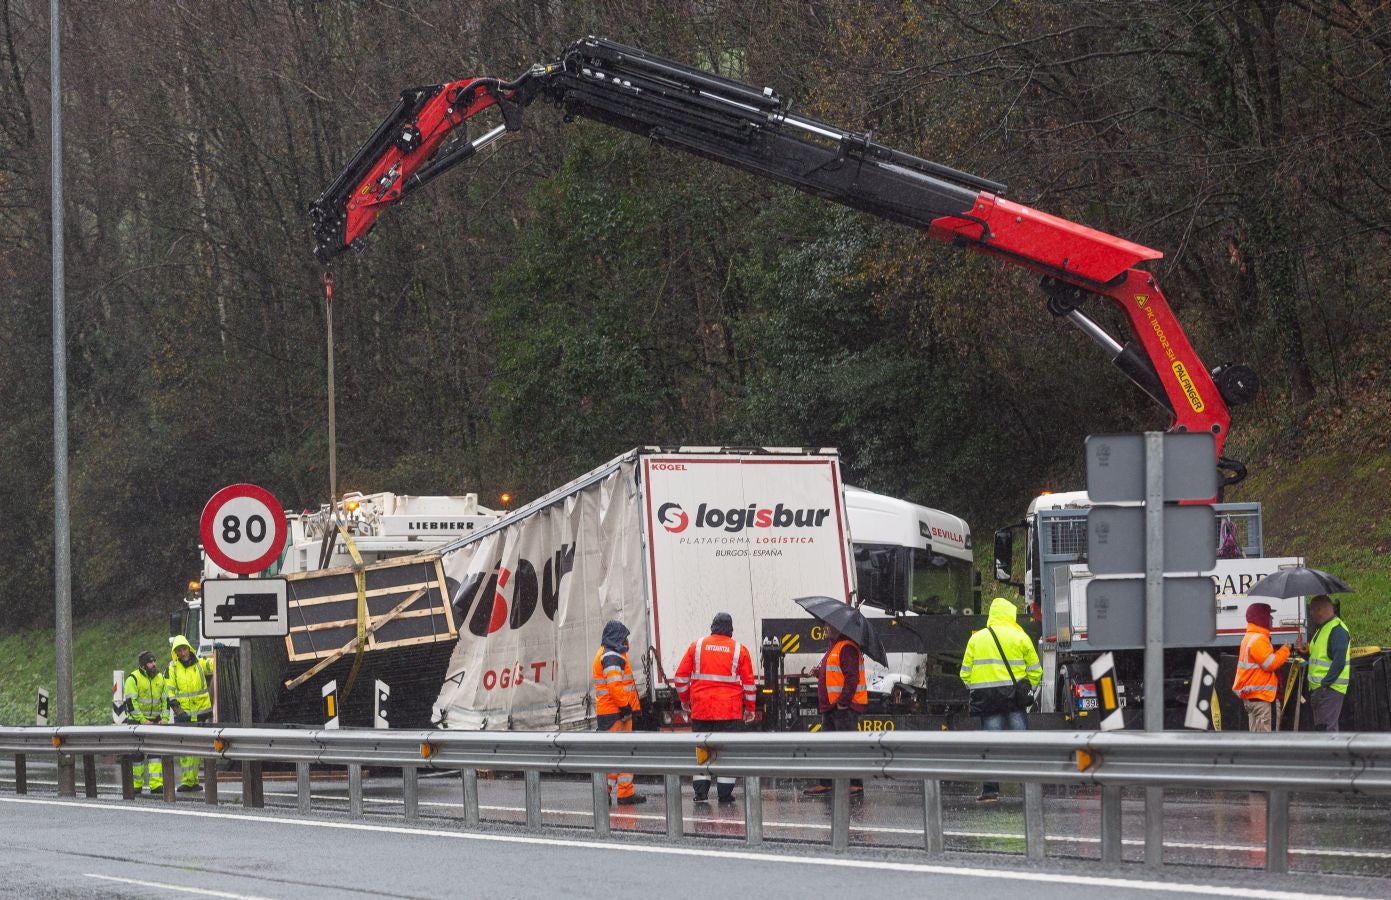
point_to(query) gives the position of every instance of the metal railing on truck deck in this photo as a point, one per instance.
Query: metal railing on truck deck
(1272, 764)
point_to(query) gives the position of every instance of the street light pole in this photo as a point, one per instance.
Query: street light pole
(62, 531)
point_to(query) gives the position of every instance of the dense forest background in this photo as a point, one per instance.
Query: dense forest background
(577, 291)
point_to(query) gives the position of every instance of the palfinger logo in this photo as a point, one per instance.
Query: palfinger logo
(1190, 390)
(673, 518)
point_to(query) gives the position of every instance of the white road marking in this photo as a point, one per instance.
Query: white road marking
(705, 853)
(872, 829)
(165, 886)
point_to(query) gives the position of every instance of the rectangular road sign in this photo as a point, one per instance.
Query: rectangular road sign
(1116, 539)
(245, 607)
(1116, 612)
(1116, 467)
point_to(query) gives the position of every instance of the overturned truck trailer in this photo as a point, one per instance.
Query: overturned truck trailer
(660, 540)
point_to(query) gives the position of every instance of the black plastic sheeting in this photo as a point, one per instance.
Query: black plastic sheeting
(1367, 707)
(415, 675)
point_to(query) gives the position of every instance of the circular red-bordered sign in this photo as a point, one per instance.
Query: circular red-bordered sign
(243, 529)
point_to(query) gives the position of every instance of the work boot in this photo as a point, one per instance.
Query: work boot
(988, 797)
(817, 790)
(189, 788)
(632, 800)
(702, 797)
(726, 798)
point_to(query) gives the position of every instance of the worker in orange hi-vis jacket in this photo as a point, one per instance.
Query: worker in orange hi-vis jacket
(715, 684)
(616, 701)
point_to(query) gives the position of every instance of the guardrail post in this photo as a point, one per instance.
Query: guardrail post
(123, 762)
(1035, 839)
(1110, 823)
(840, 814)
(600, 783)
(671, 794)
(302, 786)
(170, 765)
(932, 817)
(470, 778)
(753, 810)
(253, 790)
(89, 775)
(21, 774)
(1154, 826)
(533, 799)
(410, 792)
(210, 780)
(355, 790)
(1277, 831)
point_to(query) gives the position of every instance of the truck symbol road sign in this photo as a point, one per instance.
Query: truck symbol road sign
(245, 607)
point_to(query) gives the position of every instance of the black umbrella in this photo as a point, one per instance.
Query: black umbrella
(1299, 581)
(849, 621)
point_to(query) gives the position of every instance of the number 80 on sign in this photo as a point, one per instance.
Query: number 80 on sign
(243, 529)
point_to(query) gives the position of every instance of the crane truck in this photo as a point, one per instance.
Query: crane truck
(756, 130)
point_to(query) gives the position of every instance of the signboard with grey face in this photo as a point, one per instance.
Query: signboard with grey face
(1116, 539)
(245, 607)
(1116, 612)
(1116, 467)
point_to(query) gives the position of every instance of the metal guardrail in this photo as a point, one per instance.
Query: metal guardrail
(1274, 764)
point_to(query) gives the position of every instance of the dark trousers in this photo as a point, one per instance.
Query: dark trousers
(1014, 720)
(1327, 707)
(840, 719)
(724, 783)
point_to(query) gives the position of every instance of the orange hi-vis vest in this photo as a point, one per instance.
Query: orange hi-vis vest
(834, 679)
(715, 678)
(613, 683)
(1258, 665)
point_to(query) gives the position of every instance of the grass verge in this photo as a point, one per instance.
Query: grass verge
(99, 646)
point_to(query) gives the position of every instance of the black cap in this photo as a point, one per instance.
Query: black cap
(146, 656)
(723, 623)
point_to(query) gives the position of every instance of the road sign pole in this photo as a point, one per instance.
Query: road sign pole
(1154, 581)
(1154, 632)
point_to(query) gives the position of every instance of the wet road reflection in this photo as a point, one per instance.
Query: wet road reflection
(1329, 833)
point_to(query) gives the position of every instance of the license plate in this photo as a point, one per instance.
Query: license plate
(1086, 703)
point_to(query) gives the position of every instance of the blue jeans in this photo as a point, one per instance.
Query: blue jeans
(1014, 720)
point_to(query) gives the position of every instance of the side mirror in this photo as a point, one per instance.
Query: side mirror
(1004, 554)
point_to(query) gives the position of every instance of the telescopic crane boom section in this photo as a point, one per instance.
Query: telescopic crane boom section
(755, 130)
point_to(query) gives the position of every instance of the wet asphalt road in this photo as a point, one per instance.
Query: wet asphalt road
(1209, 838)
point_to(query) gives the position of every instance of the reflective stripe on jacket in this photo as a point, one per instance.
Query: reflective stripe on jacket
(1320, 661)
(833, 677)
(1258, 665)
(715, 678)
(981, 665)
(613, 683)
(147, 696)
(190, 685)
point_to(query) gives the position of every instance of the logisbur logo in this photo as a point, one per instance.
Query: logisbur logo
(673, 518)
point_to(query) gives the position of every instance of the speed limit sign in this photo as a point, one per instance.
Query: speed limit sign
(243, 529)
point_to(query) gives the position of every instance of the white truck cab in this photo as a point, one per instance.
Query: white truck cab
(1055, 589)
